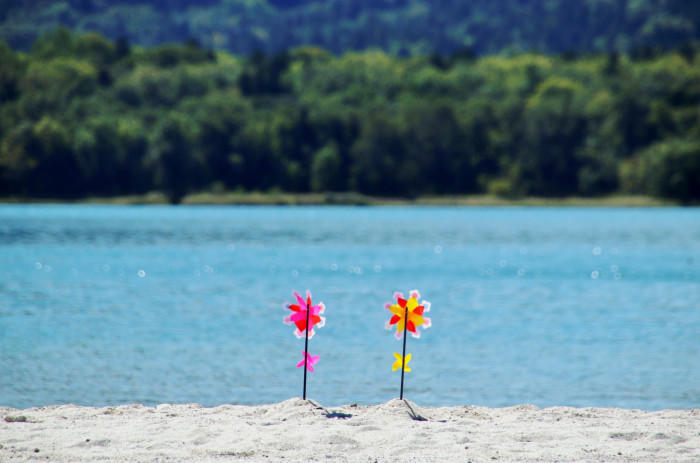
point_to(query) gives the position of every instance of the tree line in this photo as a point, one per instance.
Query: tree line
(81, 115)
(399, 27)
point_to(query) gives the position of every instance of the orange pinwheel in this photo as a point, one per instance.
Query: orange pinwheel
(409, 319)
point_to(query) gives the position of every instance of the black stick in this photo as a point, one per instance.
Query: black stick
(306, 345)
(403, 359)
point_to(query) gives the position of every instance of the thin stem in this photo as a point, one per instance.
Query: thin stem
(306, 345)
(403, 358)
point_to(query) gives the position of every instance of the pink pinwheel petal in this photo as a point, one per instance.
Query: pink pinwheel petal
(308, 294)
(299, 334)
(315, 310)
(398, 295)
(309, 360)
(388, 305)
(298, 316)
(415, 294)
(300, 300)
(426, 323)
(322, 307)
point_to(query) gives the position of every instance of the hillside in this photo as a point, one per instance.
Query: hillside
(400, 27)
(82, 116)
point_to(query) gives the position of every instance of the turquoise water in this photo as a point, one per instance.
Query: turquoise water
(552, 306)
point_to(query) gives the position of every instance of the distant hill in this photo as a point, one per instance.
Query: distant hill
(401, 27)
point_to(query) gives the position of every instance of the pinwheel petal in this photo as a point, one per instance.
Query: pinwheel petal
(417, 320)
(410, 326)
(309, 360)
(294, 307)
(300, 300)
(397, 310)
(399, 361)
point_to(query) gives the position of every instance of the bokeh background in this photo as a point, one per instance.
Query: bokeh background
(384, 97)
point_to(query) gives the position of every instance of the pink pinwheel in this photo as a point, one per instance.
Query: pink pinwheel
(310, 361)
(299, 315)
(304, 316)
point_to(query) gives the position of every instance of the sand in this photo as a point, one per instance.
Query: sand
(298, 431)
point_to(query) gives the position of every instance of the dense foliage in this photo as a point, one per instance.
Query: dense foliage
(399, 27)
(84, 116)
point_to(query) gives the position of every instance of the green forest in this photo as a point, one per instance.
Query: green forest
(82, 115)
(399, 27)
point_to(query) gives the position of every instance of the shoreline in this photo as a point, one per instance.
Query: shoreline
(356, 199)
(296, 430)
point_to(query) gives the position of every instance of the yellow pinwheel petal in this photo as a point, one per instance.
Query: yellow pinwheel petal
(399, 361)
(396, 310)
(417, 320)
(412, 303)
(401, 324)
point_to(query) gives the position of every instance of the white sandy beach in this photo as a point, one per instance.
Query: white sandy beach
(298, 431)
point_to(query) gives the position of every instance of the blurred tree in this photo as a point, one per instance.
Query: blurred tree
(555, 131)
(437, 145)
(378, 167)
(38, 162)
(263, 74)
(326, 169)
(170, 157)
(11, 73)
(672, 169)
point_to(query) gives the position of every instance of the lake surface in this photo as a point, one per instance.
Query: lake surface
(104, 305)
